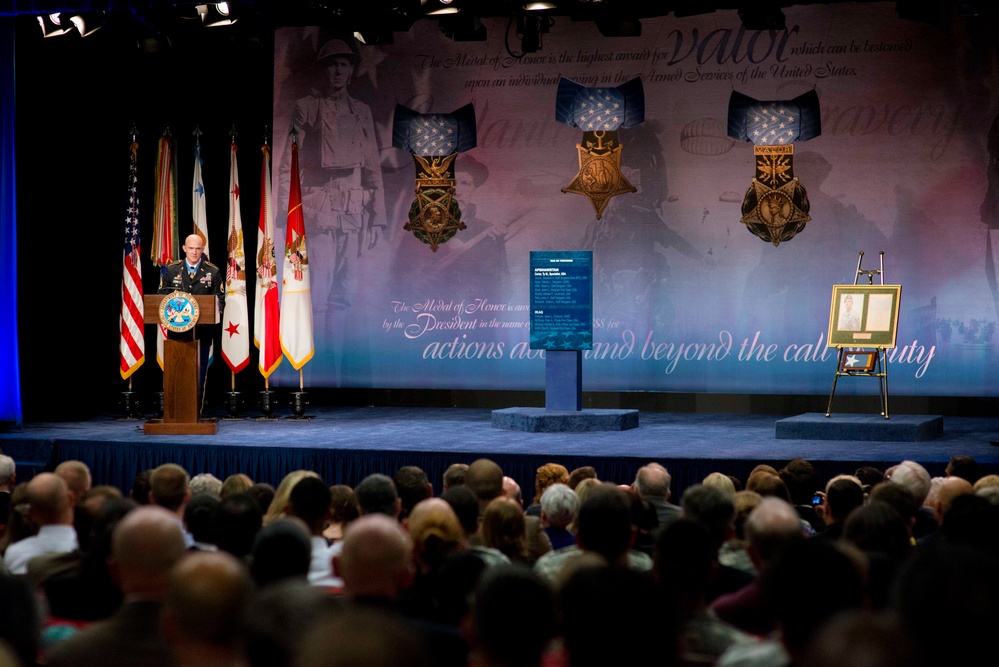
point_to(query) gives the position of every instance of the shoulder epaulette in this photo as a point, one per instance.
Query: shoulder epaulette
(175, 262)
(207, 263)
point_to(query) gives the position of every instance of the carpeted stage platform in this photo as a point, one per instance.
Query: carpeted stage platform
(345, 444)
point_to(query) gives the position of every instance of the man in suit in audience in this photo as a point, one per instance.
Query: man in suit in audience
(169, 488)
(146, 545)
(51, 509)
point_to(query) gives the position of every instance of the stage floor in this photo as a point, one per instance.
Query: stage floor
(344, 444)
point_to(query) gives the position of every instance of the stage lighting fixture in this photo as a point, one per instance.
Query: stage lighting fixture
(539, 6)
(87, 23)
(530, 28)
(215, 15)
(53, 25)
(439, 7)
(462, 28)
(762, 16)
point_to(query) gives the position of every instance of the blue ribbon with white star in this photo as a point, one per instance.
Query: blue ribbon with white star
(600, 109)
(434, 134)
(774, 122)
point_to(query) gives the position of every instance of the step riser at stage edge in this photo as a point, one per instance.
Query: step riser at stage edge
(899, 428)
(541, 420)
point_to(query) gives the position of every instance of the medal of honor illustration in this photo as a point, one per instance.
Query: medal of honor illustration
(599, 112)
(776, 206)
(434, 140)
(178, 312)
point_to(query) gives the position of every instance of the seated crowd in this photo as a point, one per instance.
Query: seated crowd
(879, 568)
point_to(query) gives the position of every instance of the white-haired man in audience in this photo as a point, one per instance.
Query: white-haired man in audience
(559, 505)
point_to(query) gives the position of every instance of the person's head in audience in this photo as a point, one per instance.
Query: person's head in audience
(412, 485)
(203, 610)
(950, 488)
(878, 530)
(766, 483)
(377, 558)
(720, 480)
(454, 475)
(577, 475)
(770, 527)
(861, 637)
(77, 476)
(898, 498)
(801, 480)
(279, 503)
(140, 487)
(986, 481)
(712, 508)
(21, 617)
(913, 477)
(504, 528)
(652, 482)
(233, 484)
(169, 487)
(545, 476)
(744, 502)
(684, 560)
(309, 500)
(343, 509)
(802, 601)
(604, 523)
(376, 494)
(281, 551)
(50, 502)
(201, 519)
(364, 636)
(510, 601)
(263, 494)
(466, 507)
(8, 473)
(511, 490)
(277, 619)
(238, 521)
(206, 482)
(972, 520)
(559, 505)
(844, 493)
(436, 533)
(87, 510)
(585, 486)
(964, 467)
(145, 546)
(869, 476)
(598, 630)
(485, 479)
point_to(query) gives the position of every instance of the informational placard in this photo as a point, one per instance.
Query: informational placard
(561, 300)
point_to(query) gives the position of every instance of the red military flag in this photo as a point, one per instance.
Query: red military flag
(236, 329)
(266, 326)
(166, 241)
(132, 342)
(296, 296)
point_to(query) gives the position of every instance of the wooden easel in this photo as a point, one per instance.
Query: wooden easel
(880, 368)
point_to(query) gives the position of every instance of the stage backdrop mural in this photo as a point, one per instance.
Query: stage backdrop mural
(685, 297)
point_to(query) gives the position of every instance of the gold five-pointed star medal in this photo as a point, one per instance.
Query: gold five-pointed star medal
(599, 176)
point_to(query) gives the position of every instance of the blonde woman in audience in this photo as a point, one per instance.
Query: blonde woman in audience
(233, 484)
(733, 552)
(283, 493)
(722, 481)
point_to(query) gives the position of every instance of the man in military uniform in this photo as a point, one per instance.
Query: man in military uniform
(196, 275)
(341, 178)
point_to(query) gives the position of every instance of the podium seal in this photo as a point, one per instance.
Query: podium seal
(178, 312)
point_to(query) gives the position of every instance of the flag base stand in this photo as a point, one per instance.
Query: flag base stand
(233, 404)
(299, 400)
(130, 406)
(160, 404)
(267, 404)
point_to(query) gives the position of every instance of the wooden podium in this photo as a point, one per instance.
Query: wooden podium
(180, 373)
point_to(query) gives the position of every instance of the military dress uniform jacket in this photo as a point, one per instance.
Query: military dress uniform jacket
(207, 280)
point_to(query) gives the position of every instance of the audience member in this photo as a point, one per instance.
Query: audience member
(202, 614)
(50, 508)
(512, 602)
(511, 491)
(8, 479)
(714, 509)
(233, 484)
(364, 636)
(277, 506)
(279, 616)
(139, 491)
(950, 488)
(343, 510)
(545, 476)
(916, 479)
(559, 505)
(310, 501)
(722, 481)
(579, 474)
(802, 484)
(882, 534)
(860, 637)
(208, 483)
(733, 552)
(169, 488)
(281, 551)
(770, 528)
(869, 477)
(454, 476)
(652, 482)
(843, 494)
(965, 467)
(77, 476)
(146, 545)
(503, 528)
(20, 627)
(201, 520)
(238, 521)
(263, 494)
(412, 485)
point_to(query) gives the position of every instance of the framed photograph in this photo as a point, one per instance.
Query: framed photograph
(864, 316)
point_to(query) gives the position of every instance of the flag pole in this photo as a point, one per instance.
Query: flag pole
(132, 340)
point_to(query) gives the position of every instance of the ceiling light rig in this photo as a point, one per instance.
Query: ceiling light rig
(53, 25)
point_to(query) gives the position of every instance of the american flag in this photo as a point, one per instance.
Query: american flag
(132, 345)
